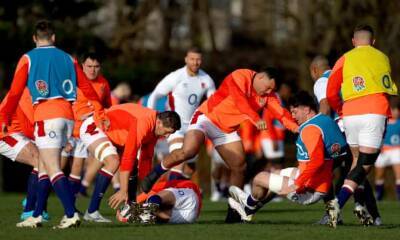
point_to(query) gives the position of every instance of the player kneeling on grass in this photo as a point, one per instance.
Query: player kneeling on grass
(175, 201)
(320, 142)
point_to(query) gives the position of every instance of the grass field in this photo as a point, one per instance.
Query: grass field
(276, 221)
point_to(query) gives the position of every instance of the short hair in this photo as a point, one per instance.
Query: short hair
(272, 72)
(365, 28)
(170, 119)
(92, 55)
(194, 50)
(44, 29)
(304, 99)
(320, 61)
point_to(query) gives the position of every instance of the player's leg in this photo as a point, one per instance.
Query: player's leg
(103, 150)
(92, 167)
(380, 165)
(233, 155)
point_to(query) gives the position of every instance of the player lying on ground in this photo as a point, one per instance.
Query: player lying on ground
(174, 201)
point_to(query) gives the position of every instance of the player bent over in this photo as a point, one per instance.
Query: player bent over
(240, 96)
(174, 201)
(320, 142)
(131, 127)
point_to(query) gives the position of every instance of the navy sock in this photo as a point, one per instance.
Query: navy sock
(102, 182)
(176, 176)
(43, 191)
(75, 185)
(359, 196)
(398, 191)
(63, 191)
(379, 189)
(31, 191)
(344, 195)
(251, 202)
(160, 170)
(155, 199)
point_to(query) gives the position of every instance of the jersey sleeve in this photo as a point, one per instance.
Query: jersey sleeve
(320, 88)
(334, 86)
(281, 113)
(18, 84)
(313, 141)
(164, 87)
(211, 87)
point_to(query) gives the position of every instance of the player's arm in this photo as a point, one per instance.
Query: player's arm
(281, 113)
(126, 165)
(320, 93)
(164, 87)
(211, 87)
(334, 85)
(18, 84)
(146, 158)
(314, 143)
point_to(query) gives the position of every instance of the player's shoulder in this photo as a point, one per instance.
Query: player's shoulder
(204, 75)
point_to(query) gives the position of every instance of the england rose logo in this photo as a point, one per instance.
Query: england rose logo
(42, 88)
(358, 83)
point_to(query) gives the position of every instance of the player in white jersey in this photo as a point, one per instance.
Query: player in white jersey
(185, 88)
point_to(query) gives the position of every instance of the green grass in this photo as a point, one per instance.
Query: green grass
(276, 221)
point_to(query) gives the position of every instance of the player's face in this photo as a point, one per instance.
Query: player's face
(395, 113)
(299, 113)
(263, 85)
(161, 130)
(193, 62)
(91, 68)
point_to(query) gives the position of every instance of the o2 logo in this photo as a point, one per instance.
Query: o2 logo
(180, 192)
(67, 86)
(192, 99)
(395, 139)
(301, 153)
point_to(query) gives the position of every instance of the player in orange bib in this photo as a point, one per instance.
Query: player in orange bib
(132, 127)
(239, 98)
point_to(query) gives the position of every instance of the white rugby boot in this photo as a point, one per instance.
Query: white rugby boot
(95, 217)
(31, 222)
(333, 210)
(66, 222)
(363, 215)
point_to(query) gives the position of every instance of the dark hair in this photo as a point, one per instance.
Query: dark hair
(170, 119)
(272, 72)
(364, 27)
(91, 55)
(194, 50)
(304, 99)
(44, 30)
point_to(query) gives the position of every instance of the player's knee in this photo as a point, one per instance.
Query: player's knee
(261, 178)
(238, 166)
(357, 174)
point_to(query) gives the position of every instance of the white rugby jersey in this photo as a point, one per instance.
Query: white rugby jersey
(184, 92)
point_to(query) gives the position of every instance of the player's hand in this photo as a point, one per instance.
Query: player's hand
(261, 125)
(147, 183)
(117, 198)
(68, 147)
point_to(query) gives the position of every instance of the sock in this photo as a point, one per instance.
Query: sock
(160, 169)
(398, 189)
(75, 184)
(31, 191)
(370, 201)
(43, 190)
(63, 191)
(359, 196)
(344, 195)
(102, 182)
(83, 188)
(379, 189)
(218, 186)
(251, 202)
(173, 175)
(155, 199)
